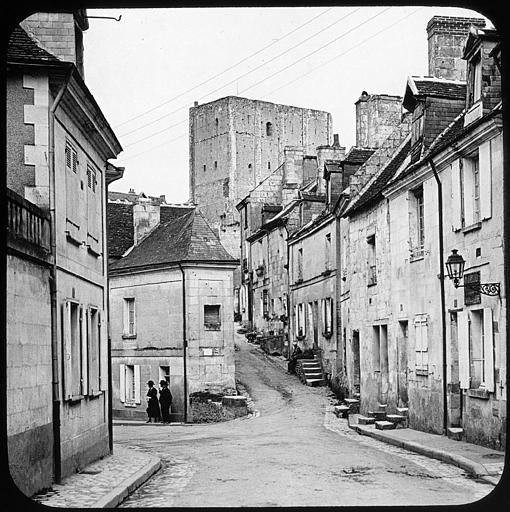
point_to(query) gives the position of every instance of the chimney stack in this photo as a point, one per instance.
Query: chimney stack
(146, 217)
(446, 39)
(336, 142)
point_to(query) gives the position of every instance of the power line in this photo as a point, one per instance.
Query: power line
(247, 73)
(225, 70)
(346, 51)
(317, 50)
(297, 78)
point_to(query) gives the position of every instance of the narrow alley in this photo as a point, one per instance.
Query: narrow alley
(295, 452)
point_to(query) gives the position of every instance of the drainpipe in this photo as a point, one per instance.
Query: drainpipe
(288, 291)
(443, 301)
(57, 456)
(184, 343)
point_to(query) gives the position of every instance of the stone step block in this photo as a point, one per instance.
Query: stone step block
(378, 415)
(341, 411)
(365, 420)
(384, 425)
(403, 410)
(455, 433)
(396, 418)
(315, 382)
(382, 407)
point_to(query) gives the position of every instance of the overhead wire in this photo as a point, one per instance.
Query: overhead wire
(250, 71)
(292, 81)
(225, 70)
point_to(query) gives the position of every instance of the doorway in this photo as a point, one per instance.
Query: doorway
(356, 366)
(402, 368)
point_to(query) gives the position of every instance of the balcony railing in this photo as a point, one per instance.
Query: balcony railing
(27, 222)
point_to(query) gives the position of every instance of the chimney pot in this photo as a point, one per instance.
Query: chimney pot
(336, 142)
(195, 104)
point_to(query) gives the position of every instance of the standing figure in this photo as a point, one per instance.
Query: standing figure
(152, 403)
(165, 401)
(293, 358)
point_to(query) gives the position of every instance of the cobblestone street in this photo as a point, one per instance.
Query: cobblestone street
(295, 453)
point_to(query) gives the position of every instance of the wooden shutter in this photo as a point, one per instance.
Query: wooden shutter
(418, 343)
(103, 355)
(84, 351)
(488, 349)
(66, 321)
(296, 320)
(122, 382)
(456, 196)
(323, 314)
(463, 348)
(90, 352)
(137, 383)
(485, 171)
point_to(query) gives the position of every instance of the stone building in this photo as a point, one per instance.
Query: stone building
(171, 305)
(418, 341)
(58, 149)
(235, 143)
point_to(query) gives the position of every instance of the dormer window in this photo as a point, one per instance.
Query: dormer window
(475, 79)
(417, 126)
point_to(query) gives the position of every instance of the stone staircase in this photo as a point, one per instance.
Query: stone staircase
(310, 372)
(379, 417)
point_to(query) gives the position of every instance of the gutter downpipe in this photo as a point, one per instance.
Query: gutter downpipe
(288, 292)
(443, 300)
(57, 456)
(184, 343)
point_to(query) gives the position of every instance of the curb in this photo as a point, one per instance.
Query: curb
(473, 468)
(122, 491)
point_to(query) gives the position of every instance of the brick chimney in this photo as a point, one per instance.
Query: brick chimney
(146, 217)
(446, 38)
(334, 152)
(377, 115)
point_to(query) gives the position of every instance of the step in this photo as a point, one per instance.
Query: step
(384, 425)
(351, 401)
(365, 420)
(378, 415)
(403, 410)
(455, 433)
(315, 382)
(382, 407)
(396, 418)
(341, 410)
(312, 373)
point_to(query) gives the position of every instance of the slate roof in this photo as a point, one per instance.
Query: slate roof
(428, 86)
(119, 218)
(358, 155)
(374, 190)
(22, 48)
(167, 213)
(185, 238)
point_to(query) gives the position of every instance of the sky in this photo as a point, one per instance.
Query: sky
(146, 70)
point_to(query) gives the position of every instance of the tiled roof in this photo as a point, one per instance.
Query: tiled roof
(120, 228)
(22, 48)
(170, 212)
(184, 238)
(374, 191)
(358, 155)
(428, 86)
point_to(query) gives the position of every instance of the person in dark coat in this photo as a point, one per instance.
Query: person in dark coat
(152, 403)
(293, 358)
(165, 401)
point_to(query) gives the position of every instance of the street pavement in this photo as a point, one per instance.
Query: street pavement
(294, 452)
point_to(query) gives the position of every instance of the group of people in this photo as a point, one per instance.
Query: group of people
(158, 409)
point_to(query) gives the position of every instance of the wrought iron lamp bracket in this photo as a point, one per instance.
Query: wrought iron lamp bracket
(491, 289)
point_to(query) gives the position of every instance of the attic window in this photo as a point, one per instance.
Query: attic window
(269, 129)
(475, 79)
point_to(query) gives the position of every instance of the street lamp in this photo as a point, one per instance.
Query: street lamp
(455, 268)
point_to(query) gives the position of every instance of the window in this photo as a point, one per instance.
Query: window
(71, 157)
(269, 129)
(129, 317)
(421, 345)
(372, 269)
(91, 178)
(164, 373)
(264, 303)
(215, 165)
(476, 349)
(74, 351)
(327, 315)
(300, 321)
(470, 191)
(205, 168)
(217, 124)
(380, 348)
(245, 211)
(300, 265)
(472, 187)
(212, 319)
(269, 165)
(475, 79)
(416, 223)
(249, 168)
(94, 350)
(129, 384)
(327, 251)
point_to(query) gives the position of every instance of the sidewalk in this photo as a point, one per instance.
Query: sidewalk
(104, 483)
(478, 461)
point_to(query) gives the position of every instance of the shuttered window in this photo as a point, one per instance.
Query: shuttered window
(129, 317)
(129, 384)
(71, 157)
(75, 349)
(327, 315)
(476, 349)
(421, 345)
